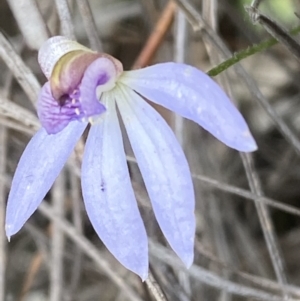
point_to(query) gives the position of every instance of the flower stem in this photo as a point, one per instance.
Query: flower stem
(237, 57)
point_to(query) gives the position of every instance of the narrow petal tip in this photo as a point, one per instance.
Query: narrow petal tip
(185, 251)
(246, 143)
(188, 259)
(9, 231)
(136, 262)
(143, 273)
(144, 276)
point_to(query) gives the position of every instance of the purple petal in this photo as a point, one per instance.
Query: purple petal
(108, 195)
(101, 73)
(68, 72)
(40, 164)
(55, 117)
(194, 95)
(164, 169)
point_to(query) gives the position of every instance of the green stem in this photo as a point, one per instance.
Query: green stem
(246, 53)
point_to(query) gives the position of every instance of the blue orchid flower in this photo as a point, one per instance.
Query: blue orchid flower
(86, 87)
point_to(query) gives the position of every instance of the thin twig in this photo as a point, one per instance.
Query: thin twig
(247, 194)
(209, 278)
(266, 223)
(32, 271)
(180, 46)
(155, 288)
(11, 110)
(17, 126)
(3, 163)
(256, 3)
(3, 160)
(63, 10)
(275, 30)
(90, 250)
(256, 280)
(21, 72)
(89, 24)
(42, 255)
(33, 28)
(237, 191)
(156, 36)
(77, 221)
(160, 253)
(209, 13)
(57, 246)
(245, 53)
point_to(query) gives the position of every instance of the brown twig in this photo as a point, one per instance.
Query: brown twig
(156, 37)
(153, 43)
(32, 271)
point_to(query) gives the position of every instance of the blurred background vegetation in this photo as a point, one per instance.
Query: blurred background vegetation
(248, 222)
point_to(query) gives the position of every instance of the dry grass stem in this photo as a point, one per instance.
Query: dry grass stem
(64, 13)
(57, 240)
(89, 24)
(21, 72)
(3, 240)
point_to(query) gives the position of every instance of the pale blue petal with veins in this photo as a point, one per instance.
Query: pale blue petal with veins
(194, 95)
(108, 195)
(39, 166)
(164, 169)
